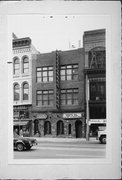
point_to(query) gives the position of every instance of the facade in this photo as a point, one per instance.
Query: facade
(61, 93)
(58, 94)
(22, 81)
(95, 80)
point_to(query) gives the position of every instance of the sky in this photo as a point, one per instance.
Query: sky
(60, 32)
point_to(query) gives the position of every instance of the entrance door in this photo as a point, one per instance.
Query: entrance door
(78, 129)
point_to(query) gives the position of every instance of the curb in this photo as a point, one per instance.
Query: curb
(40, 139)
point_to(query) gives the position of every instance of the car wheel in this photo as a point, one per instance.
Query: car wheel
(103, 140)
(20, 147)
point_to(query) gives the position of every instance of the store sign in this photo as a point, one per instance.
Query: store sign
(95, 121)
(72, 115)
(41, 116)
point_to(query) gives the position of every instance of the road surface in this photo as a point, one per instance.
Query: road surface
(63, 150)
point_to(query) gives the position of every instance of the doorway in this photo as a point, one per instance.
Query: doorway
(78, 129)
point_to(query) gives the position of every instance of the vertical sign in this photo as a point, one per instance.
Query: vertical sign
(57, 80)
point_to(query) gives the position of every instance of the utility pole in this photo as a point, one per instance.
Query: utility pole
(87, 108)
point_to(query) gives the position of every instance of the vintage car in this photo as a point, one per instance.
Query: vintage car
(23, 143)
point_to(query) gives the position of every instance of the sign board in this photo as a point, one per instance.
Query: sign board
(41, 116)
(97, 121)
(72, 115)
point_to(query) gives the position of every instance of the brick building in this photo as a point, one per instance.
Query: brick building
(61, 93)
(95, 79)
(58, 94)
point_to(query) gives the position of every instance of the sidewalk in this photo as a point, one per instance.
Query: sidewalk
(45, 139)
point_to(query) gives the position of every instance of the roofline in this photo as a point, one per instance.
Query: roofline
(19, 39)
(94, 31)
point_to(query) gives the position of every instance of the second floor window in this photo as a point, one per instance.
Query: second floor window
(25, 65)
(45, 98)
(16, 66)
(69, 72)
(97, 91)
(69, 97)
(44, 74)
(16, 92)
(25, 91)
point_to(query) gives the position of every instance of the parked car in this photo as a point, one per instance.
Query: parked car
(102, 136)
(23, 143)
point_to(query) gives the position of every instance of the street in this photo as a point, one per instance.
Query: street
(67, 149)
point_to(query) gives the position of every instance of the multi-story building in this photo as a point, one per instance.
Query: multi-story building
(22, 80)
(61, 93)
(58, 94)
(95, 80)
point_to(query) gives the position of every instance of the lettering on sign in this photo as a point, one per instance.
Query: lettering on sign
(72, 115)
(97, 121)
(41, 116)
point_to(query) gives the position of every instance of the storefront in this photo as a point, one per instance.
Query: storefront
(22, 126)
(58, 125)
(95, 125)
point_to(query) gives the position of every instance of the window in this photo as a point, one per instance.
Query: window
(97, 58)
(44, 74)
(45, 98)
(16, 66)
(69, 97)
(25, 91)
(16, 92)
(47, 127)
(97, 91)
(97, 112)
(25, 65)
(60, 128)
(69, 72)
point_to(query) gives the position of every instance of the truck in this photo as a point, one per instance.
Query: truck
(101, 136)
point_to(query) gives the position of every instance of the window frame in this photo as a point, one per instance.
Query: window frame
(17, 99)
(68, 95)
(68, 72)
(49, 98)
(24, 90)
(26, 59)
(44, 74)
(16, 70)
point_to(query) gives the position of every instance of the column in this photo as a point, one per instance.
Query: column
(87, 108)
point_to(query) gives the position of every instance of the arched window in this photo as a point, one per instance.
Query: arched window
(16, 92)
(60, 128)
(16, 66)
(25, 65)
(47, 128)
(25, 91)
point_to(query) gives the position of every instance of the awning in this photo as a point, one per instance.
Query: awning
(21, 123)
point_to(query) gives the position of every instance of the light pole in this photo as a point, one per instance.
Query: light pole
(87, 108)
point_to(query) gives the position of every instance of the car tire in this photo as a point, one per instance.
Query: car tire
(20, 147)
(103, 140)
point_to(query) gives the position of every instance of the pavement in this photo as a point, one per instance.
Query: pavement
(46, 139)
